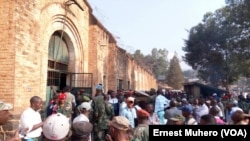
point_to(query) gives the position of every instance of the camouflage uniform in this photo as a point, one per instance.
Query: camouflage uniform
(141, 133)
(99, 116)
(244, 106)
(110, 113)
(65, 109)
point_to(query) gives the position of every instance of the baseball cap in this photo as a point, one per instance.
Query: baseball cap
(99, 87)
(5, 106)
(82, 129)
(56, 127)
(85, 105)
(120, 122)
(131, 99)
(187, 109)
(178, 117)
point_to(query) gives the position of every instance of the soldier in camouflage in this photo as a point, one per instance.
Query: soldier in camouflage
(99, 115)
(141, 132)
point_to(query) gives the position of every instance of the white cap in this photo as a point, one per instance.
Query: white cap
(56, 127)
(131, 99)
(183, 99)
(85, 105)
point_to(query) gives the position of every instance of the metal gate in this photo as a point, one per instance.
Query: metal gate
(76, 81)
(81, 81)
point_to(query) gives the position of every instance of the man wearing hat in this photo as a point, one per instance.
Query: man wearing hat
(178, 119)
(187, 112)
(84, 109)
(130, 112)
(98, 115)
(4, 117)
(118, 127)
(64, 107)
(56, 128)
(141, 131)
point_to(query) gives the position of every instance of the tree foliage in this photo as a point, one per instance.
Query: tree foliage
(157, 61)
(218, 47)
(175, 76)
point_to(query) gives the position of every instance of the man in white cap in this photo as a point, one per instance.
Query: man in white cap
(84, 109)
(4, 117)
(98, 115)
(130, 112)
(56, 127)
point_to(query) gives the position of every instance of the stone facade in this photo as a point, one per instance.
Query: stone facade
(25, 37)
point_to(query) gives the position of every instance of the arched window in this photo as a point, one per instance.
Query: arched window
(58, 60)
(58, 53)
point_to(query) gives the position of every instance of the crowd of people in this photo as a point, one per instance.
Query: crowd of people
(118, 115)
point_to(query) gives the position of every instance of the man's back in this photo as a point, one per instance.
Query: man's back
(170, 113)
(141, 133)
(98, 111)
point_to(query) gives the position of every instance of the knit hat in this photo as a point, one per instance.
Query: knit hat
(56, 127)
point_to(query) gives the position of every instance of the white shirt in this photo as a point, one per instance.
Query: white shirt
(130, 114)
(113, 100)
(29, 118)
(82, 117)
(200, 111)
(123, 105)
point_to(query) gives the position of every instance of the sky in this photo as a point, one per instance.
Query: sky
(148, 24)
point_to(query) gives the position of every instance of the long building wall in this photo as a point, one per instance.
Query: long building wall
(25, 34)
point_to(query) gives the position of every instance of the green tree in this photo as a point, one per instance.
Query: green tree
(139, 57)
(219, 46)
(157, 61)
(175, 76)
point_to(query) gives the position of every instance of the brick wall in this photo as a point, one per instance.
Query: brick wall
(109, 60)
(112, 66)
(7, 50)
(26, 32)
(7, 56)
(24, 44)
(115, 63)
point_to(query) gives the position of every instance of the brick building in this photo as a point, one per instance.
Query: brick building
(60, 42)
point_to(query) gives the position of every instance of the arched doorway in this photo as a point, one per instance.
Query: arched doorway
(60, 71)
(58, 62)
